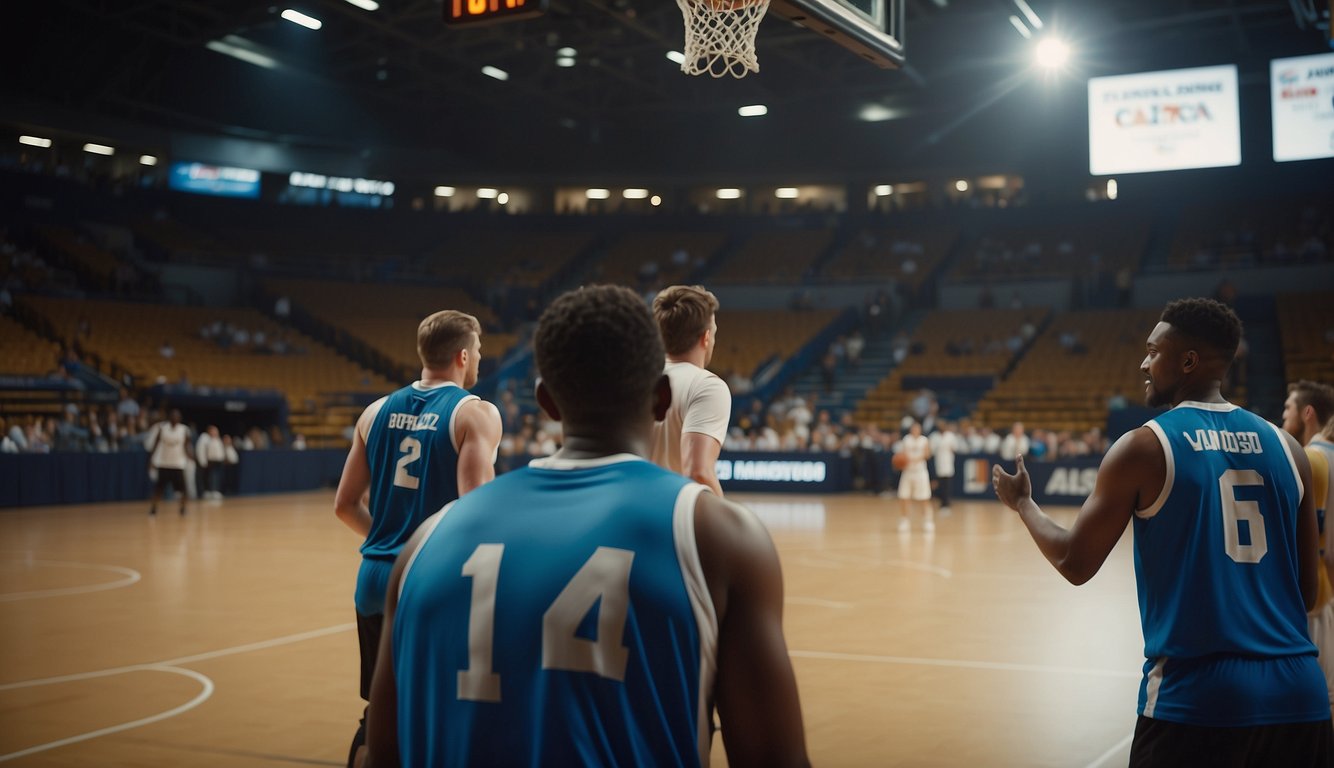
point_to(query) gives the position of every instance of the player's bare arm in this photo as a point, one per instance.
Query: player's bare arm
(699, 459)
(756, 690)
(349, 500)
(1130, 477)
(478, 430)
(1308, 529)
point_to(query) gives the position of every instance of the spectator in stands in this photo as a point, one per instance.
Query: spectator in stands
(7, 444)
(211, 456)
(231, 476)
(167, 351)
(1117, 402)
(298, 442)
(127, 406)
(1016, 443)
(856, 344)
(945, 443)
(828, 371)
(282, 308)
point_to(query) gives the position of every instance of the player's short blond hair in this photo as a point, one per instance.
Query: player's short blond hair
(683, 313)
(442, 334)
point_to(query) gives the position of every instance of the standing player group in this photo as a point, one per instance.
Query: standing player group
(593, 608)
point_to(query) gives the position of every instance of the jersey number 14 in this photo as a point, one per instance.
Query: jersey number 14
(604, 576)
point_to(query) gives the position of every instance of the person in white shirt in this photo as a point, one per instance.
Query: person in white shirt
(689, 439)
(1016, 443)
(915, 482)
(211, 455)
(944, 444)
(169, 454)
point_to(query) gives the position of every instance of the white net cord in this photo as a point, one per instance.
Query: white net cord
(720, 36)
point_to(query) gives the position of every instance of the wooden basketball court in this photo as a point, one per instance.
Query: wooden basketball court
(225, 638)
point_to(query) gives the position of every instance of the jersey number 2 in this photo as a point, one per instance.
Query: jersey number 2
(604, 576)
(1235, 510)
(412, 450)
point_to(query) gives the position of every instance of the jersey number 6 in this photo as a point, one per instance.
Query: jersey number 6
(1235, 510)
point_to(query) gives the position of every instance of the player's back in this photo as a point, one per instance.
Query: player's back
(692, 410)
(413, 458)
(558, 616)
(1216, 554)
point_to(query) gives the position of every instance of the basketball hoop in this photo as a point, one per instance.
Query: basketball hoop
(720, 36)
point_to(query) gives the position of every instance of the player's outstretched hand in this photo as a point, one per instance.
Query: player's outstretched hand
(1012, 489)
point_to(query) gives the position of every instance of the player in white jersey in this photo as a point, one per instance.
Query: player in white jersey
(915, 482)
(170, 452)
(1309, 406)
(945, 443)
(690, 437)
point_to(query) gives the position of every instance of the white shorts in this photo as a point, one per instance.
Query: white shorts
(1320, 622)
(915, 484)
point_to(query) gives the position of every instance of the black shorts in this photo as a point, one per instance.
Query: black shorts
(1161, 743)
(170, 477)
(368, 637)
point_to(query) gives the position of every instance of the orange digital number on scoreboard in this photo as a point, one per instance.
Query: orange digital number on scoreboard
(471, 13)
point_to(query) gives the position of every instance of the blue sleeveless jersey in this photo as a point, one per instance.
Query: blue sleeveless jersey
(558, 616)
(414, 472)
(1216, 564)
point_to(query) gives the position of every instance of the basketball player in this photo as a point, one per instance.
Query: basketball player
(1226, 559)
(592, 608)
(915, 482)
(945, 443)
(170, 453)
(1309, 406)
(414, 451)
(689, 439)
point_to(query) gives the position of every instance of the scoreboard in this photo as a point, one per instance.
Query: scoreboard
(472, 13)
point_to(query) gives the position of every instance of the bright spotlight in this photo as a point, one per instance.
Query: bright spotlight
(961, 185)
(1052, 53)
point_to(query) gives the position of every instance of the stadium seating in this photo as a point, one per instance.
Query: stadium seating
(1061, 387)
(986, 329)
(748, 338)
(387, 316)
(626, 258)
(1306, 321)
(779, 257)
(128, 337)
(881, 254)
(26, 353)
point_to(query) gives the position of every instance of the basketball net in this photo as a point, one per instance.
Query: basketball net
(720, 36)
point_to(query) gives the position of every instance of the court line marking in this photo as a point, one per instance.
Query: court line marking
(963, 663)
(1117, 747)
(235, 649)
(131, 576)
(207, 691)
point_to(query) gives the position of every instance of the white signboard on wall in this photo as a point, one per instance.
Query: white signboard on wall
(1302, 91)
(1164, 121)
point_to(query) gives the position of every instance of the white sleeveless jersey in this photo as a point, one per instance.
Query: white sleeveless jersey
(701, 403)
(168, 444)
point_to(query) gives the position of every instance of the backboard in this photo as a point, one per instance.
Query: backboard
(873, 29)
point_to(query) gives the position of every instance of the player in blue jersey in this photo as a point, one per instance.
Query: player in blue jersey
(591, 608)
(1226, 560)
(413, 452)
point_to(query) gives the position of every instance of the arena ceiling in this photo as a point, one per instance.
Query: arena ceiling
(397, 78)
